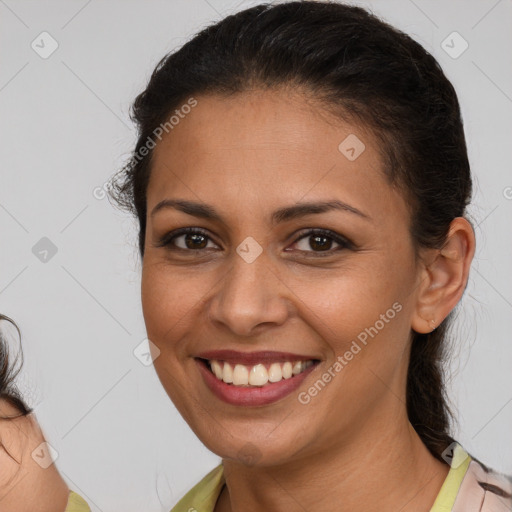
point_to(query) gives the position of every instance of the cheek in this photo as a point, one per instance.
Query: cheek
(345, 301)
(362, 317)
(363, 323)
(170, 298)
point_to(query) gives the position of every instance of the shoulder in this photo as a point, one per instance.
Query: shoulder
(204, 494)
(28, 478)
(484, 490)
(76, 503)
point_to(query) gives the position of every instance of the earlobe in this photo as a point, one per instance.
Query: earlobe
(444, 277)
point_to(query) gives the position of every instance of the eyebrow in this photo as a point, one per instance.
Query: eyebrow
(206, 211)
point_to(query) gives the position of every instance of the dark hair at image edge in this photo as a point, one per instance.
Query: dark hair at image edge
(363, 70)
(9, 371)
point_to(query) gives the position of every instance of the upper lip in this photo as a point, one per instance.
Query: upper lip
(252, 358)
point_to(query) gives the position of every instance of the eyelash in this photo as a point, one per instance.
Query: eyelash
(168, 239)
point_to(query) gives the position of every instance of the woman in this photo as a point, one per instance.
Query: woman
(300, 181)
(29, 480)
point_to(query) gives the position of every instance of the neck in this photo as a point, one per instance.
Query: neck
(388, 468)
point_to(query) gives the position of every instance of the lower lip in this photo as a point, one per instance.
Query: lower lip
(251, 396)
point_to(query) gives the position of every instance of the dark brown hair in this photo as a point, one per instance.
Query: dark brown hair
(9, 371)
(360, 68)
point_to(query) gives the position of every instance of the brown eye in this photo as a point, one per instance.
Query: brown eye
(186, 239)
(194, 241)
(319, 240)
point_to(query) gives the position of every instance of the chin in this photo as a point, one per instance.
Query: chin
(251, 449)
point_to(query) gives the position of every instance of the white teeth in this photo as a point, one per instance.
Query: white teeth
(287, 370)
(227, 375)
(257, 375)
(274, 372)
(240, 375)
(297, 367)
(217, 369)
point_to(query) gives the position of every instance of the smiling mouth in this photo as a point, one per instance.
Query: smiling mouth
(258, 375)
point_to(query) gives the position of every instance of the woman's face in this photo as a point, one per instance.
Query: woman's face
(255, 283)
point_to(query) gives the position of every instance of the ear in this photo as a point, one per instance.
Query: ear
(10, 434)
(444, 276)
(25, 483)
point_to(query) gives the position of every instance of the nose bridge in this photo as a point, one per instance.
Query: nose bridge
(250, 294)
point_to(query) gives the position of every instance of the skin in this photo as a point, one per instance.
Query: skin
(25, 485)
(352, 446)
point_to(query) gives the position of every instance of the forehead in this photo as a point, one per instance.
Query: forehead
(266, 147)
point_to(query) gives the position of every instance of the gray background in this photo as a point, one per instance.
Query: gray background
(65, 130)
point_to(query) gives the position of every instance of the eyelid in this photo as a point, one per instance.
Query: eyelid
(343, 242)
(169, 238)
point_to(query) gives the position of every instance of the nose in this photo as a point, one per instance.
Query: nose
(250, 296)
